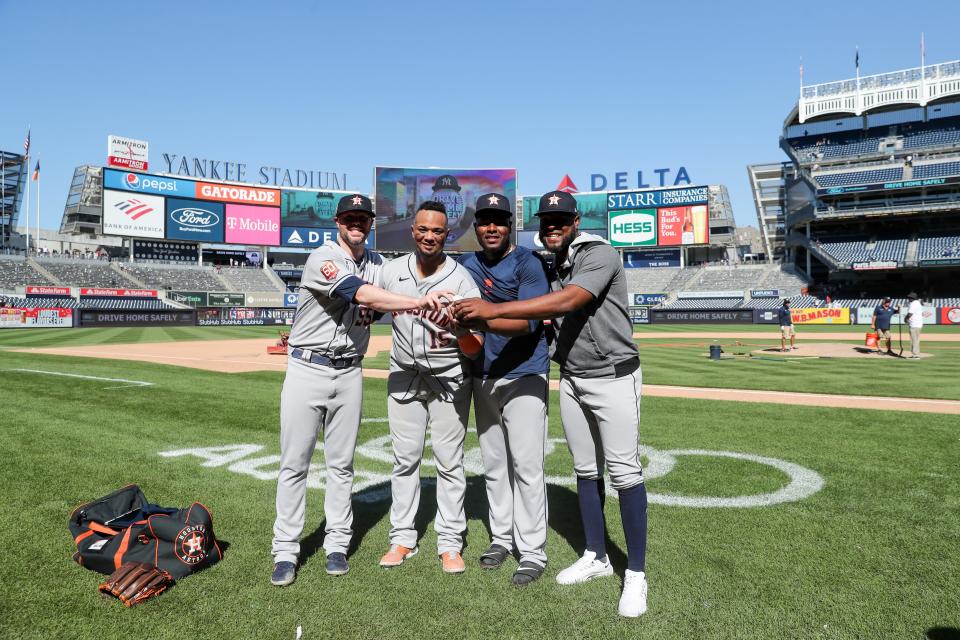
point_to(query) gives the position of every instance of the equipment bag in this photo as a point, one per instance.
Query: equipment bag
(123, 526)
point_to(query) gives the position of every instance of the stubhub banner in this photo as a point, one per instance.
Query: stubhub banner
(194, 220)
(312, 237)
(146, 183)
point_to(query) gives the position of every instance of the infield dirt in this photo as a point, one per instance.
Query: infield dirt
(236, 356)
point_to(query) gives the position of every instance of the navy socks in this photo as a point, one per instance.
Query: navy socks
(633, 511)
(590, 494)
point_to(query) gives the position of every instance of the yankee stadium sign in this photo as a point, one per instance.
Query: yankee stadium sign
(238, 172)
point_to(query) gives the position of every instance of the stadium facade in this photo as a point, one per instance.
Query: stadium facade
(871, 192)
(766, 186)
(13, 181)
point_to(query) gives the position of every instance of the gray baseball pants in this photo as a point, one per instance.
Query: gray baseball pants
(316, 398)
(601, 420)
(511, 417)
(408, 430)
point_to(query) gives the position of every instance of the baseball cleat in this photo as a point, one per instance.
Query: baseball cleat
(452, 562)
(396, 555)
(493, 557)
(284, 573)
(633, 600)
(584, 569)
(526, 573)
(337, 564)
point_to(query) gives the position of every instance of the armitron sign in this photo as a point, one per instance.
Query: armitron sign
(127, 153)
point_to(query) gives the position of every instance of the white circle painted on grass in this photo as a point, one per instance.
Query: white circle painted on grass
(803, 483)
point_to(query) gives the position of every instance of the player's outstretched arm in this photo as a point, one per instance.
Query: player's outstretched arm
(551, 305)
(385, 301)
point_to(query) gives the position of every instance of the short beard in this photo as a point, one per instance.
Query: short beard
(564, 244)
(346, 239)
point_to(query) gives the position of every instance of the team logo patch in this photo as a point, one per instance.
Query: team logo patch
(329, 270)
(189, 544)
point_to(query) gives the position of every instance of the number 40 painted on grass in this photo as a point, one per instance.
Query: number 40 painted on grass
(374, 486)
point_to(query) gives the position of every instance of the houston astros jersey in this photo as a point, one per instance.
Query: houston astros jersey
(324, 322)
(425, 353)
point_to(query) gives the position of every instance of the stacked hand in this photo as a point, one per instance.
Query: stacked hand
(435, 300)
(473, 312)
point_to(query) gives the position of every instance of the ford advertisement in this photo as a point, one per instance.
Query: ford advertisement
(194, 220)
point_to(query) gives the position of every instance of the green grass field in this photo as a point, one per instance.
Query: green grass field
(873, 554)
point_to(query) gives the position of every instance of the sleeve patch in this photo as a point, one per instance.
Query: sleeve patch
(329, 270)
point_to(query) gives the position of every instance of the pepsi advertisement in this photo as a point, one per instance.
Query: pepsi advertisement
(146, 183)
(400, 190)
(197, 220)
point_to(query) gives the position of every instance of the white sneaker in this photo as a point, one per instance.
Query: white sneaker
(586, 568)
(633, 600)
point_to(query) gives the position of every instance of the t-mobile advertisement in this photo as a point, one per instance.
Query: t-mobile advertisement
(249, 224)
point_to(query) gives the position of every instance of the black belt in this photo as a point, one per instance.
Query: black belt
(315, 358)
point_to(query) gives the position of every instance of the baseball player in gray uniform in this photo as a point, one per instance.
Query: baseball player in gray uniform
(428, 385)
(510, 395)
(323, 390)
(599, 372)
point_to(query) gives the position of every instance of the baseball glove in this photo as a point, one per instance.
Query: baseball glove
(135, 582)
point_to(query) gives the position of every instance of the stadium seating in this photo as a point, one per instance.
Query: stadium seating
(655, 280)
(846, 252)
(176, 277)
(85, 273)
(41, 303)
(935, 138)
(746, 277)
(704, 303)
(248, 279)
(938, 170)
(15, 272)
(715, 278)
(774, 303)
(837, 147)
(125, 303)
(87, 303)
(938, 247)
(859, 177)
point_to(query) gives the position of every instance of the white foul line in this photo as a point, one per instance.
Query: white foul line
(130, 383)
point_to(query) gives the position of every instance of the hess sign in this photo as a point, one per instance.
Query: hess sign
(127, 153)
(633, 228)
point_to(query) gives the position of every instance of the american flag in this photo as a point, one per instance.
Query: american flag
(26, 144)
(36, 172)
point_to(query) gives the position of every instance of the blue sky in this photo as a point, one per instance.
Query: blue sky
(548, 88)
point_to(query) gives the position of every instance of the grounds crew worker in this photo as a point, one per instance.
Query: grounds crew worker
(599, 386)
(323, 388)
(914, 320)
(880, 322)
(786, 326)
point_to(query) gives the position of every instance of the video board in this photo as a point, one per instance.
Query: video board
(398, 192)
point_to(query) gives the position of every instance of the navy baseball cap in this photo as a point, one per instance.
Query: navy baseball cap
(557, 202)
(355, 202)
(446, 181)
(493, 203)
